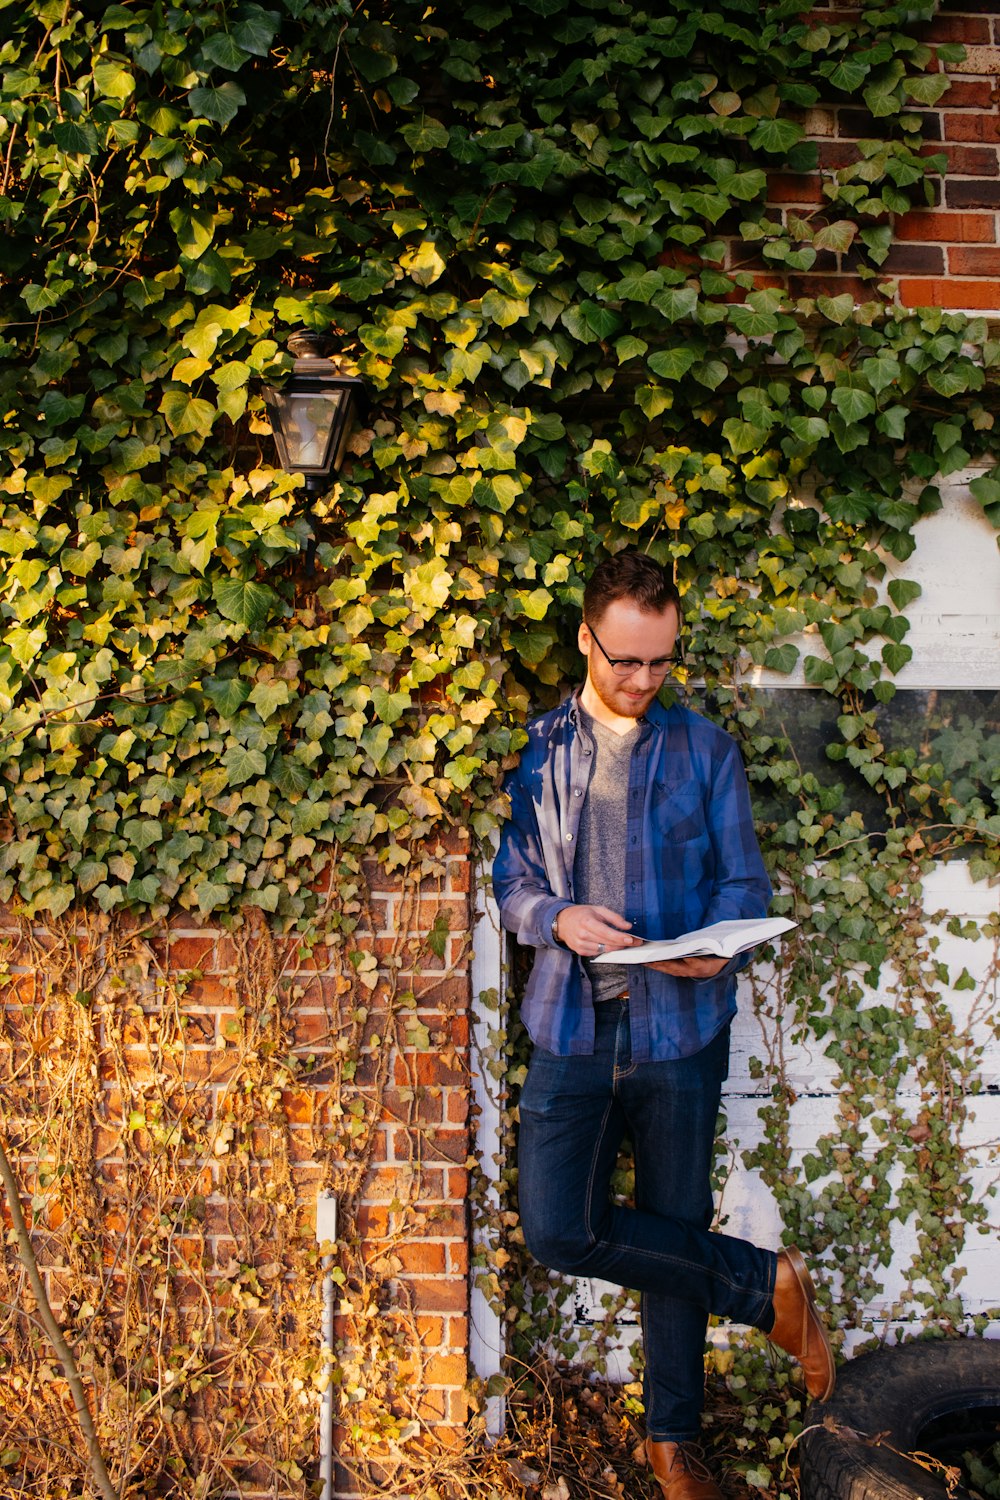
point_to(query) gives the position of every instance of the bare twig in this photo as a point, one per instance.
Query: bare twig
(64, 1353)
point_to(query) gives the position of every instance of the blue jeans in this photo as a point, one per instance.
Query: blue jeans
(574, 1113)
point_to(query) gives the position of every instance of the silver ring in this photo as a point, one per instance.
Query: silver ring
(600, 947)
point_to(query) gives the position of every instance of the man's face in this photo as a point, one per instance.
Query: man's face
(627, 632)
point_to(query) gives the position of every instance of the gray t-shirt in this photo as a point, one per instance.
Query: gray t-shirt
(599, 865)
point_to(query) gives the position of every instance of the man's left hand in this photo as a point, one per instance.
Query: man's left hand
(690, 968)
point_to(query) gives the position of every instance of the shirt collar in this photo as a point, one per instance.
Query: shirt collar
(655, 714)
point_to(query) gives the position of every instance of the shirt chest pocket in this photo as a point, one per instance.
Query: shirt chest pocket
(677, 812)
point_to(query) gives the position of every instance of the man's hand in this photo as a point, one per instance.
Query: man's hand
(590, 930)
(690, 968)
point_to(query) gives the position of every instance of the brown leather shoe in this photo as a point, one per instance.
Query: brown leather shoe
(797, 1326)
(680, 1472)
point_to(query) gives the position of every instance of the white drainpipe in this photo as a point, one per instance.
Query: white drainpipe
(326, 1230)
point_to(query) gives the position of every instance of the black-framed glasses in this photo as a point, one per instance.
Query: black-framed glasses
(624, 666)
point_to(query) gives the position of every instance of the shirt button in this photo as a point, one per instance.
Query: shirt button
(569, 838)
(577, 792)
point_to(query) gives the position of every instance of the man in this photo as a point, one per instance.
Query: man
(630, 821)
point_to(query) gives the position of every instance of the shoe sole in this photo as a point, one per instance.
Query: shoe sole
(798, 1265)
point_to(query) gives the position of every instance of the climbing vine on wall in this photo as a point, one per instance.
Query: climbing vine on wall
(542, 234)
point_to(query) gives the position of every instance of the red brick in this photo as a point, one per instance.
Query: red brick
(431, 908)
(966, 93)
(191, 953)
(432, 1410)
(981, 295)
(972, 192)
(431, 1331)
(833, 155)
(440, 1144)
(458, 1412)
(457, 1109)
(971, 127)
(373, 1221)
(446, 1294)
(974, 262)
(424, 1108)
(947, 228)
(211, 993)
(441, 992)
(918, 260)
(434, 1069)
(793, 187)
(829, 286)
(458, 1184)
(446, 1369)
(970, 29)
(460, 875)
(458, 1258)
(311, 1028)
(422, 1258)
(968, 161)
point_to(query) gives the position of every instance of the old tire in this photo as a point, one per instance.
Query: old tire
(894, 1394)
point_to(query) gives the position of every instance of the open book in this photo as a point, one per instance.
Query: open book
(721, 940)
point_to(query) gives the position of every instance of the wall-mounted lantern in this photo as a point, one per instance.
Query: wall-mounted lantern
(311, 413)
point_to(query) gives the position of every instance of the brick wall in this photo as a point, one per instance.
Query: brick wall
(174, 1101)
(948, 255)
(161, 1039)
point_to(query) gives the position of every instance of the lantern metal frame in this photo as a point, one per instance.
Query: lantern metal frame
(316, 373)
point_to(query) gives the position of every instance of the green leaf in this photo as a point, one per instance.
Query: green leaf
(881, 372)
(672, 364)
(903, 592)
(113, 80)
(224, 50)
(186, 413)
(744, 437)
(425, 135)
(848, 74)
(853, 405)
(776, 136)
(219, 102)
(291, 778)
(210, 895)
(195, 230)
(389, 707)
(228, 694)
(986, 489)
(248, 603)
(630, 347)
(751, 322)
(676, 303)
(838, 237)
(639, 286)
(74, 138)
(255, 29)
(896, 656)
(781, 658)
(241, 764)
(269, 696)
(837, 309)
(601, 320)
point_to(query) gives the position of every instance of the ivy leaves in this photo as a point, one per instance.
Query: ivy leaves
(536, 278)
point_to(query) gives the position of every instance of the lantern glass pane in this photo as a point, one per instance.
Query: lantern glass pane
(307, 422)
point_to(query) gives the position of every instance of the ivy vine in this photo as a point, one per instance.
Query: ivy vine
(542, 234)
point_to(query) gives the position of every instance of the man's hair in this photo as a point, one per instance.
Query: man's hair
(629, 575)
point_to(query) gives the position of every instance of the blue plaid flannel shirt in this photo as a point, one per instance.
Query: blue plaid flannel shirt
(691, 858)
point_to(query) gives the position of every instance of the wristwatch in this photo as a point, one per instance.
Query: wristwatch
(554, 929)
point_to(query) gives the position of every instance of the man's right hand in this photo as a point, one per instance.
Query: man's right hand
(590, 930)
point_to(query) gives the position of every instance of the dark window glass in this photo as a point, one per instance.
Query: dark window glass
(942, 744)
